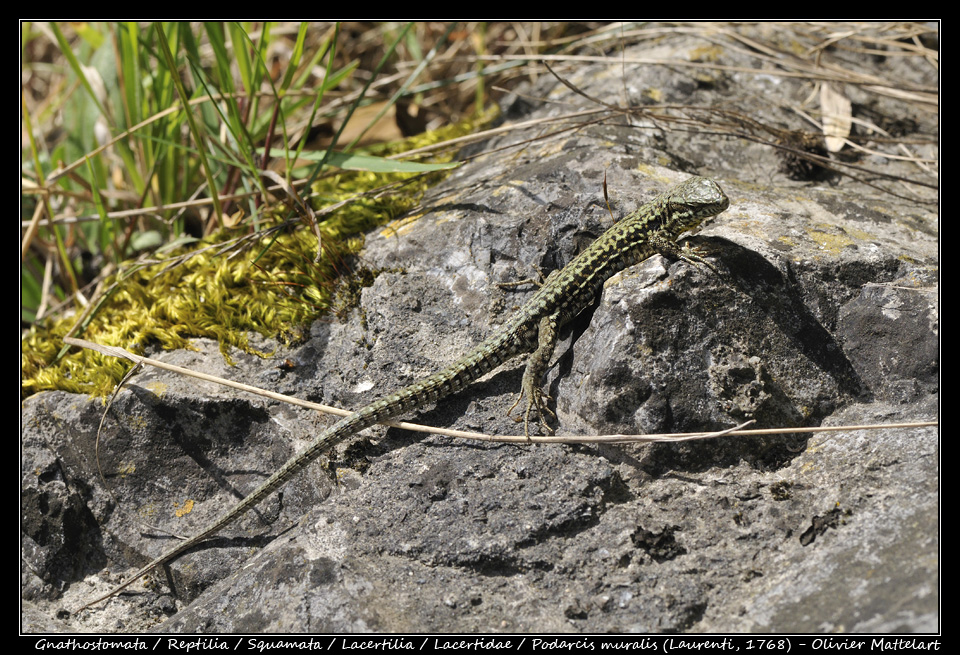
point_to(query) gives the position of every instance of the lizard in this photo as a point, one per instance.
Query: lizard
(652, 229)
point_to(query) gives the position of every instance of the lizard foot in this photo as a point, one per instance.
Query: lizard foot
(535, 400)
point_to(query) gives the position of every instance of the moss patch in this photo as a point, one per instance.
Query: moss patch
(224, 287)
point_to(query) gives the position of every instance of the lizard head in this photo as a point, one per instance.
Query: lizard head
(694, 200)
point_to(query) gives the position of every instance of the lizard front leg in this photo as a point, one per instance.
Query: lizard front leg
(673, 250)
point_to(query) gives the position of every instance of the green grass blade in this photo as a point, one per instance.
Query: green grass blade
(77, 68)
(295, 58)
(194, 129)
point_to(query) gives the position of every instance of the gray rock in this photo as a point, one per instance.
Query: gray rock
(826, 312)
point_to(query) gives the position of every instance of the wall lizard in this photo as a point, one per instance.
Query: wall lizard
(652, 229)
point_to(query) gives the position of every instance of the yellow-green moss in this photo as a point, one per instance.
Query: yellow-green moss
(270, 285)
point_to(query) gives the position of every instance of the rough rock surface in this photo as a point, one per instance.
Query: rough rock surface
(826, 313)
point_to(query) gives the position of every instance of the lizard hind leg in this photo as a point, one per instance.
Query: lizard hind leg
(537, 365)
